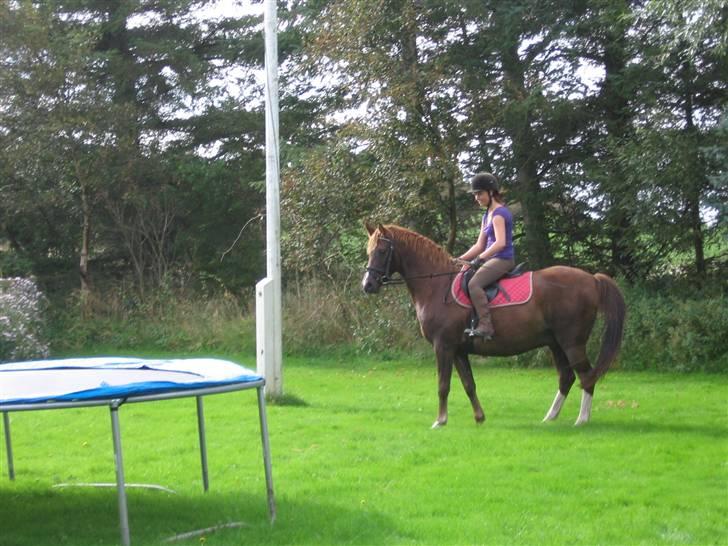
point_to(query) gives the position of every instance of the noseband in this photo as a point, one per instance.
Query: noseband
(384, 276)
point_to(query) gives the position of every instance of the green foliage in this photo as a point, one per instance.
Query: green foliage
(683, 331)
(119, 142)
(323, 198)
(221, 231)
(321, 318)
(608, 173)
(717, 154)
(15, 264)
(107, 112)
(169, 320)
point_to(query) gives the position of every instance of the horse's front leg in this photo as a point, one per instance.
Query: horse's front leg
(462, 363)
(445, 358)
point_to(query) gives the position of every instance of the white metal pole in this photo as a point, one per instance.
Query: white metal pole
(266, 455)
(8, 446)
(120, 481)
(272, 331)
(203, 443)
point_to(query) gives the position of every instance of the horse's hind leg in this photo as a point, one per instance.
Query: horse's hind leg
(465, 371)
(580, 363)
(566, 380)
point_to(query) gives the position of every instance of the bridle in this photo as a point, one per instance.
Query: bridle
(383, 277)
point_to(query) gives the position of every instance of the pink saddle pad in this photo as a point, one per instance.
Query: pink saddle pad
(518, 290)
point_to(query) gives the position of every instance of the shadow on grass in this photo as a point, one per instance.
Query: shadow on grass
(651, 427)
(361, 362)
(639, 427)
(40, 517)
(286, 399)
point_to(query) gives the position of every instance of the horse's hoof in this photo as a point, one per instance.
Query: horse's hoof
(438, 424)
(480, 420)
(581, 422)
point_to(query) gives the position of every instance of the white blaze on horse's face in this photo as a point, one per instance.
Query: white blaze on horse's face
(370, 283)
(375, 271)
(367, 284)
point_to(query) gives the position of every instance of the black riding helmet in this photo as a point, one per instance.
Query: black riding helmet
(484, 182)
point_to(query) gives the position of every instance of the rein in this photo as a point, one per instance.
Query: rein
(387, 280)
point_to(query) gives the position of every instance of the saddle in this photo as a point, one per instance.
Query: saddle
(515, 287)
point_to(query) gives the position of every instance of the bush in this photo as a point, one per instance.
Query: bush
(321, 316)
(663, 331)
(13, 264)
(21, 320)
(166, 321)
(680, 332)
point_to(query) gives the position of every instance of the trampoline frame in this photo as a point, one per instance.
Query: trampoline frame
(115, 403)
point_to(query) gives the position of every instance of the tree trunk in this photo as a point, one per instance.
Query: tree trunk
(420, 107)
(618, 118)
(695, 180)
(83, 269)
(518, 127)
(115, 40)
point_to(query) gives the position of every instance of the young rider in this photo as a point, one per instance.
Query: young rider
(493, 251)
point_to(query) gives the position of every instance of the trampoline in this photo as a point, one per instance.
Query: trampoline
(116, 381)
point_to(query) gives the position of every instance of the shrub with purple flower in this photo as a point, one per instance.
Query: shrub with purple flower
(21, 320)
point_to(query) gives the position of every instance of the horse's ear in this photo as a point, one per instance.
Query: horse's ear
(381, 229)
(370, 227)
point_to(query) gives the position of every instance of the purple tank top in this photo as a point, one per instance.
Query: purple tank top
(507, 253)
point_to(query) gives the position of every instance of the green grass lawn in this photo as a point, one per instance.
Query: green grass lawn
(356, 463)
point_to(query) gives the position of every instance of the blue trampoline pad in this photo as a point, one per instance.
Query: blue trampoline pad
(105, 378)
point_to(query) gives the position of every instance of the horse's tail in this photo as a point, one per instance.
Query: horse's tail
(611, 303)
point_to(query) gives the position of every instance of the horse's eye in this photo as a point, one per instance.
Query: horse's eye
(382, 251)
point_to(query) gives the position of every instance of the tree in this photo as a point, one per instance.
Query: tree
(424, 75)
(690, 60)
(109, 97)
(508, 47)
(44, 97)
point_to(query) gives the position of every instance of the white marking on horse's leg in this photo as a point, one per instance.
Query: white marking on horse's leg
(439, 424)
(585, 411)
(555, 409)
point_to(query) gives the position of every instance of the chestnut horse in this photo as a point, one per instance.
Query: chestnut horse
(560, 315)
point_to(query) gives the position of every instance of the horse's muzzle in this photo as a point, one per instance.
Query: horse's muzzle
(370, 284)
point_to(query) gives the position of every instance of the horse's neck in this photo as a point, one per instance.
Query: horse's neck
(416, 269)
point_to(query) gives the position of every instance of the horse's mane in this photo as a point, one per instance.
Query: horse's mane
(418, 243)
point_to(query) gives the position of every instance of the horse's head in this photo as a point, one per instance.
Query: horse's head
(381, 255)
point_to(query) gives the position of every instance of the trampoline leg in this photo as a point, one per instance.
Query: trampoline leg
(120, 484)
(203, 443)
(8, 445)
(266, 455)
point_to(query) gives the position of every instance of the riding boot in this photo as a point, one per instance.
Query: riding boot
(485, 324)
